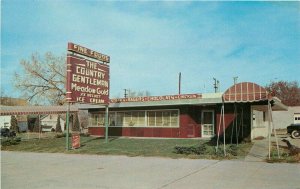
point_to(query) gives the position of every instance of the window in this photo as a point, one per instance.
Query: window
(174, 118)
(159, 118)
(97, 119)
(127, 119)
(140, 118)
(163, 118)
(119, 118)
(112, 119)
(166, 118)
(151, 118)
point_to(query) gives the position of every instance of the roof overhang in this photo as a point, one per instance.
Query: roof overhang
(278, 105)
(245, 92)
(206, 99)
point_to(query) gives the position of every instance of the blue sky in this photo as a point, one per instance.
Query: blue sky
(151, 42)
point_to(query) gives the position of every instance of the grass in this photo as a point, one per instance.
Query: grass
(284, 155)
(121, 146)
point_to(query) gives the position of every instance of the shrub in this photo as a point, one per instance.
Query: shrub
(205, 149)
(232, 150)
(11, 141)
(199, 150)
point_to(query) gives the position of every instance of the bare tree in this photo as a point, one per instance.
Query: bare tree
(76, 126)
(84, 118)
(42, 79)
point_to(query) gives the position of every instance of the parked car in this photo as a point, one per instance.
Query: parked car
(5, 132)
(294, 130)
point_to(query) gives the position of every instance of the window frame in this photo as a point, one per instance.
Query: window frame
(145, 118)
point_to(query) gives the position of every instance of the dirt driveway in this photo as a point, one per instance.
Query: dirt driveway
(295, 142)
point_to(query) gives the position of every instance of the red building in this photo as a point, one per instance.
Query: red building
(188, 115)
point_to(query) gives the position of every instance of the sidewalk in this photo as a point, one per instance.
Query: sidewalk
(259, 151)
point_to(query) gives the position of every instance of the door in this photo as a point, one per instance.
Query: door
(207, 123)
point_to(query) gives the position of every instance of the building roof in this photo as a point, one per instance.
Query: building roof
(9, 101)
(23, 110)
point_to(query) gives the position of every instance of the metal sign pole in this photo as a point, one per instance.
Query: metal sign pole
(67, 127)
(219, 128)
(40, 126)
(269, 129)
(224, 131)
(106, 123)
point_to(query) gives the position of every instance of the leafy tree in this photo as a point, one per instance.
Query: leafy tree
(287, 92)
(76, 126)
(58, 125)
(14, 124)
(42, 79)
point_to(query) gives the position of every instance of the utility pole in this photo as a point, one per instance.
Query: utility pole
(216, 85)
(179, 84)
(125, 93)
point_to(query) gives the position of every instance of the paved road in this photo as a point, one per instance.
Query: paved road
(65, 171)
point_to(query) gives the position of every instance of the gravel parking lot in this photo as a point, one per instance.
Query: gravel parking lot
(46, 170)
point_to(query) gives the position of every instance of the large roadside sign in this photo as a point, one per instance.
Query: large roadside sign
(87, 75)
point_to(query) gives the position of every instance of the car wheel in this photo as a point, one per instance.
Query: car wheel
(295, 134)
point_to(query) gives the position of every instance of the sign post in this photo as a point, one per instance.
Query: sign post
(87, 77)
(106, 124)
(67, 127)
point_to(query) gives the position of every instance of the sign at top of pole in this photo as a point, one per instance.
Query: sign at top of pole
(87, 75)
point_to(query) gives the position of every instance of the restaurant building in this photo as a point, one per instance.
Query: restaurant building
(242, 110)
